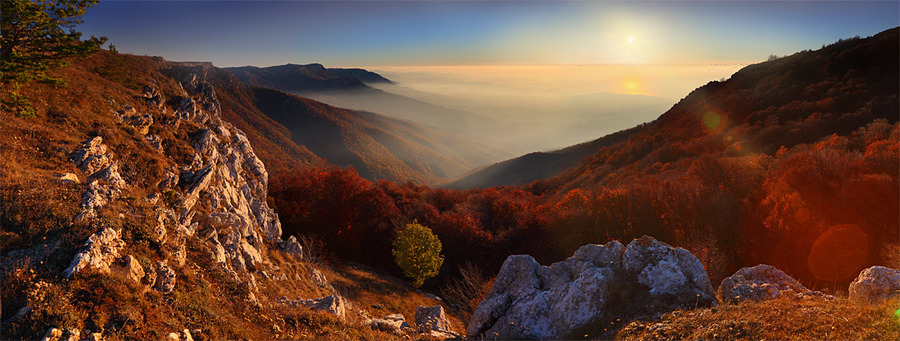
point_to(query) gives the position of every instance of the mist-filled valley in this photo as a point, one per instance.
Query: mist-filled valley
(449, 170)
(527, 108)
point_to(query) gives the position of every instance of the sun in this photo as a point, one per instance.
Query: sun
(630, 39)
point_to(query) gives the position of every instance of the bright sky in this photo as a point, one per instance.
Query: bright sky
(398, 33)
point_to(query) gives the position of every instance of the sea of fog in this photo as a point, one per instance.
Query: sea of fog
(530, 108)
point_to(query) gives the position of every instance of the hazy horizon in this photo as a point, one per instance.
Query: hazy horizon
(379, 33)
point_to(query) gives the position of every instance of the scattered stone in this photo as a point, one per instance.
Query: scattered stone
(758, 283)
(92, 156)
(394, 323)
(429, 295)
(292, 247)
(98, 253)
(318, 278)
(165, 278)
(333, 304)
(170, 180)
(644, 279)
(433, 321)
(129, 268)
(68, 178)
(155, 142)
(71, 334)
(52, 334)
(152, 96)
(875, 284)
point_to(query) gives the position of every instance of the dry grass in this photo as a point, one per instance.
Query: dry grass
(37, 210)
(778, 319)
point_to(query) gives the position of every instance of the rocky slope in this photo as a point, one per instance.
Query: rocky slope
(133, 209)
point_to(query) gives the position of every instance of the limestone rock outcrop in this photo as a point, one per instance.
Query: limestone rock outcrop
(225, 185)
(875, 284)
(105, 182)
(292, 247)
(99, 252)
(597, 284)
(432, 321)
(333, 304)
(129, 268)
(758, 283)
(394, 323)
(165, 278)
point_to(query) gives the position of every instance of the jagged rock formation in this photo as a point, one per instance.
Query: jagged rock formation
(105, 182)
(433, 321)
(758, 283)
(225, 178)
(598, 284)
(219, 197)
(875, 284)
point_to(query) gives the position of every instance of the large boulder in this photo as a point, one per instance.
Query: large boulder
(758, 283)
(875, 284)
(599, 284)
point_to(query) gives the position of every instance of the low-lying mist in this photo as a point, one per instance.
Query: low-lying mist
(523, 109)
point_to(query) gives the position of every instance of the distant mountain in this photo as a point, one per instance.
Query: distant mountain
(410, 109)
(534, 166)
(763, 108)
(792, 100)
(298, 78)
(347, 88)
(290, 128)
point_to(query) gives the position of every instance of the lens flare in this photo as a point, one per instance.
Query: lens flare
(839, 253)
(712, 120)
(632, 86)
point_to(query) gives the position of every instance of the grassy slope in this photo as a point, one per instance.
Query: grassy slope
(778, 319)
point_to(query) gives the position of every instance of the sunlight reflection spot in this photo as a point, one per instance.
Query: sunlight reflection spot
(711, 120)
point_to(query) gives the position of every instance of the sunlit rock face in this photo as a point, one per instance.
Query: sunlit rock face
(597, 285)
(758, 283)
(875, 284)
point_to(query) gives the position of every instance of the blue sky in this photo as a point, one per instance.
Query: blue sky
(373, 33)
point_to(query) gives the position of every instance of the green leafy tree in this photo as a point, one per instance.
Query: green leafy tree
(417, 252)
(37, 35)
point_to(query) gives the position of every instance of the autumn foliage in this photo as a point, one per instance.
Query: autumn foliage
(793, 163)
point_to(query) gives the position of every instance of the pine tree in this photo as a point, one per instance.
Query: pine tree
(37, 35)
(417, 252)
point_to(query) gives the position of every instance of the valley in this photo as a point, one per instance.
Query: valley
(148, 198)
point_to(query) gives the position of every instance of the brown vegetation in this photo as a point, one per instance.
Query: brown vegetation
(778, 319)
